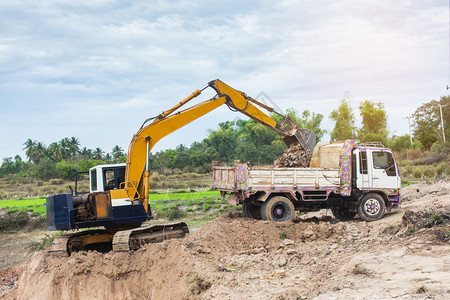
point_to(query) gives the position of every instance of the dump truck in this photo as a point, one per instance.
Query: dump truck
(347, 177)
(118, 199)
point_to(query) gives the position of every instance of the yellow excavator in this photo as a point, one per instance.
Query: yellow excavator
(118, 197)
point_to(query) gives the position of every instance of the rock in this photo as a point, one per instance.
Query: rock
(288, 242)
(281, 261)
(257, 250)
(308, 233)
(291, 252)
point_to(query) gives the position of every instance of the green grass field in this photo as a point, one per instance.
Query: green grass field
(183, 196)
(36, 205)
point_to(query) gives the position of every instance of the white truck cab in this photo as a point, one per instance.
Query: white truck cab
(376, 167)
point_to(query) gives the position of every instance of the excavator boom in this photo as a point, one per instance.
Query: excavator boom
(169, 121)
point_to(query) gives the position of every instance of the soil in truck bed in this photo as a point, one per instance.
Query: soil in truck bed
(294, 157)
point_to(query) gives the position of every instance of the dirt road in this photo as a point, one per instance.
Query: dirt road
(315, 257)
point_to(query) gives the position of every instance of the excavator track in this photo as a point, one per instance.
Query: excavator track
(64, 245)
(133, 239)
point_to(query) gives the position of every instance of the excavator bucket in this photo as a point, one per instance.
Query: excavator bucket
(305, 137)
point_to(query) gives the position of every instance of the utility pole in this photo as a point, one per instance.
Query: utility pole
(409, 126)
(442, 120)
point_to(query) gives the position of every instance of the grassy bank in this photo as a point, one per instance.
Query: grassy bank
(38, 205)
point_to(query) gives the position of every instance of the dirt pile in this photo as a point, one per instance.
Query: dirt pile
(8, 281)
(315, 257)
(416, 191)
(294, 157)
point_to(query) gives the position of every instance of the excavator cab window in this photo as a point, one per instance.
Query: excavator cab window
(113, 177)
(120, 176)
(108, 179)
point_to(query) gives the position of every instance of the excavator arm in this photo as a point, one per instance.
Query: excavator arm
(137, 174)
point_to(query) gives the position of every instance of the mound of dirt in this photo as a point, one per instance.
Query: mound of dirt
(417, 191)
(426, 219)
(8, 281)
(315, 257)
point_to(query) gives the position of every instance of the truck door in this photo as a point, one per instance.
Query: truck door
(362, 170)
(383, 170)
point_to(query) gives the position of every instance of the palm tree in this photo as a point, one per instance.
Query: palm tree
(98, 153)
(108, 157)
(54, 152)
(29, 149)
(65, 147)
(117, 152)
(85, 152)
(39, 152)
(74, 145)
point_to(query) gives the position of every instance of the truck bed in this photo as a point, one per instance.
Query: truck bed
(242, 177)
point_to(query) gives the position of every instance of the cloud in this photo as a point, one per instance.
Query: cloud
(81, 68)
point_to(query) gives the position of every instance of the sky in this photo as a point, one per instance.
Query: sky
(96, 70)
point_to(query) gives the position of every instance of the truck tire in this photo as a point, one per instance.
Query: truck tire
(372, 207)
(343, 214)
(251, 210)
(278, 209)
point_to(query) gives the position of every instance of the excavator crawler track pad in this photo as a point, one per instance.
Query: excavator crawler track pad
(133, 239)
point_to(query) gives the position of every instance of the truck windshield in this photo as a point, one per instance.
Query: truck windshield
(384, 160)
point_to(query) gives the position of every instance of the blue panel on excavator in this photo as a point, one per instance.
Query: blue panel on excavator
(60, 212)
(127, 214)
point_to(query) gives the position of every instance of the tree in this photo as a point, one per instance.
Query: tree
(108, 157)
(308, 120)
(40, 152)
(344, 127)
(224, 141)
(74, 146)
(117, 153)
(98, 153)
(400, 143)
(374, 122)
(427, 122)
(257, 143)
(45, 169)
(65, 147)
(87, 153)
(54, 152)
(29, 149)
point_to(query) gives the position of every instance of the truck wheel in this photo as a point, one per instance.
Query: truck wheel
(278, 209)
(245, 209)
(251, 210)
(343, 214)
(372, 207)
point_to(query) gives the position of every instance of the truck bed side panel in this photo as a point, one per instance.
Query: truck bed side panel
(224, 178)
(292, 178)
(241, 177)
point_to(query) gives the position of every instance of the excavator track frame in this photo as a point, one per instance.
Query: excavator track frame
(119, 241)
(134, 239)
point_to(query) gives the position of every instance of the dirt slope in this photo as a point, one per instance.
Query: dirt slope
(404, 255)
